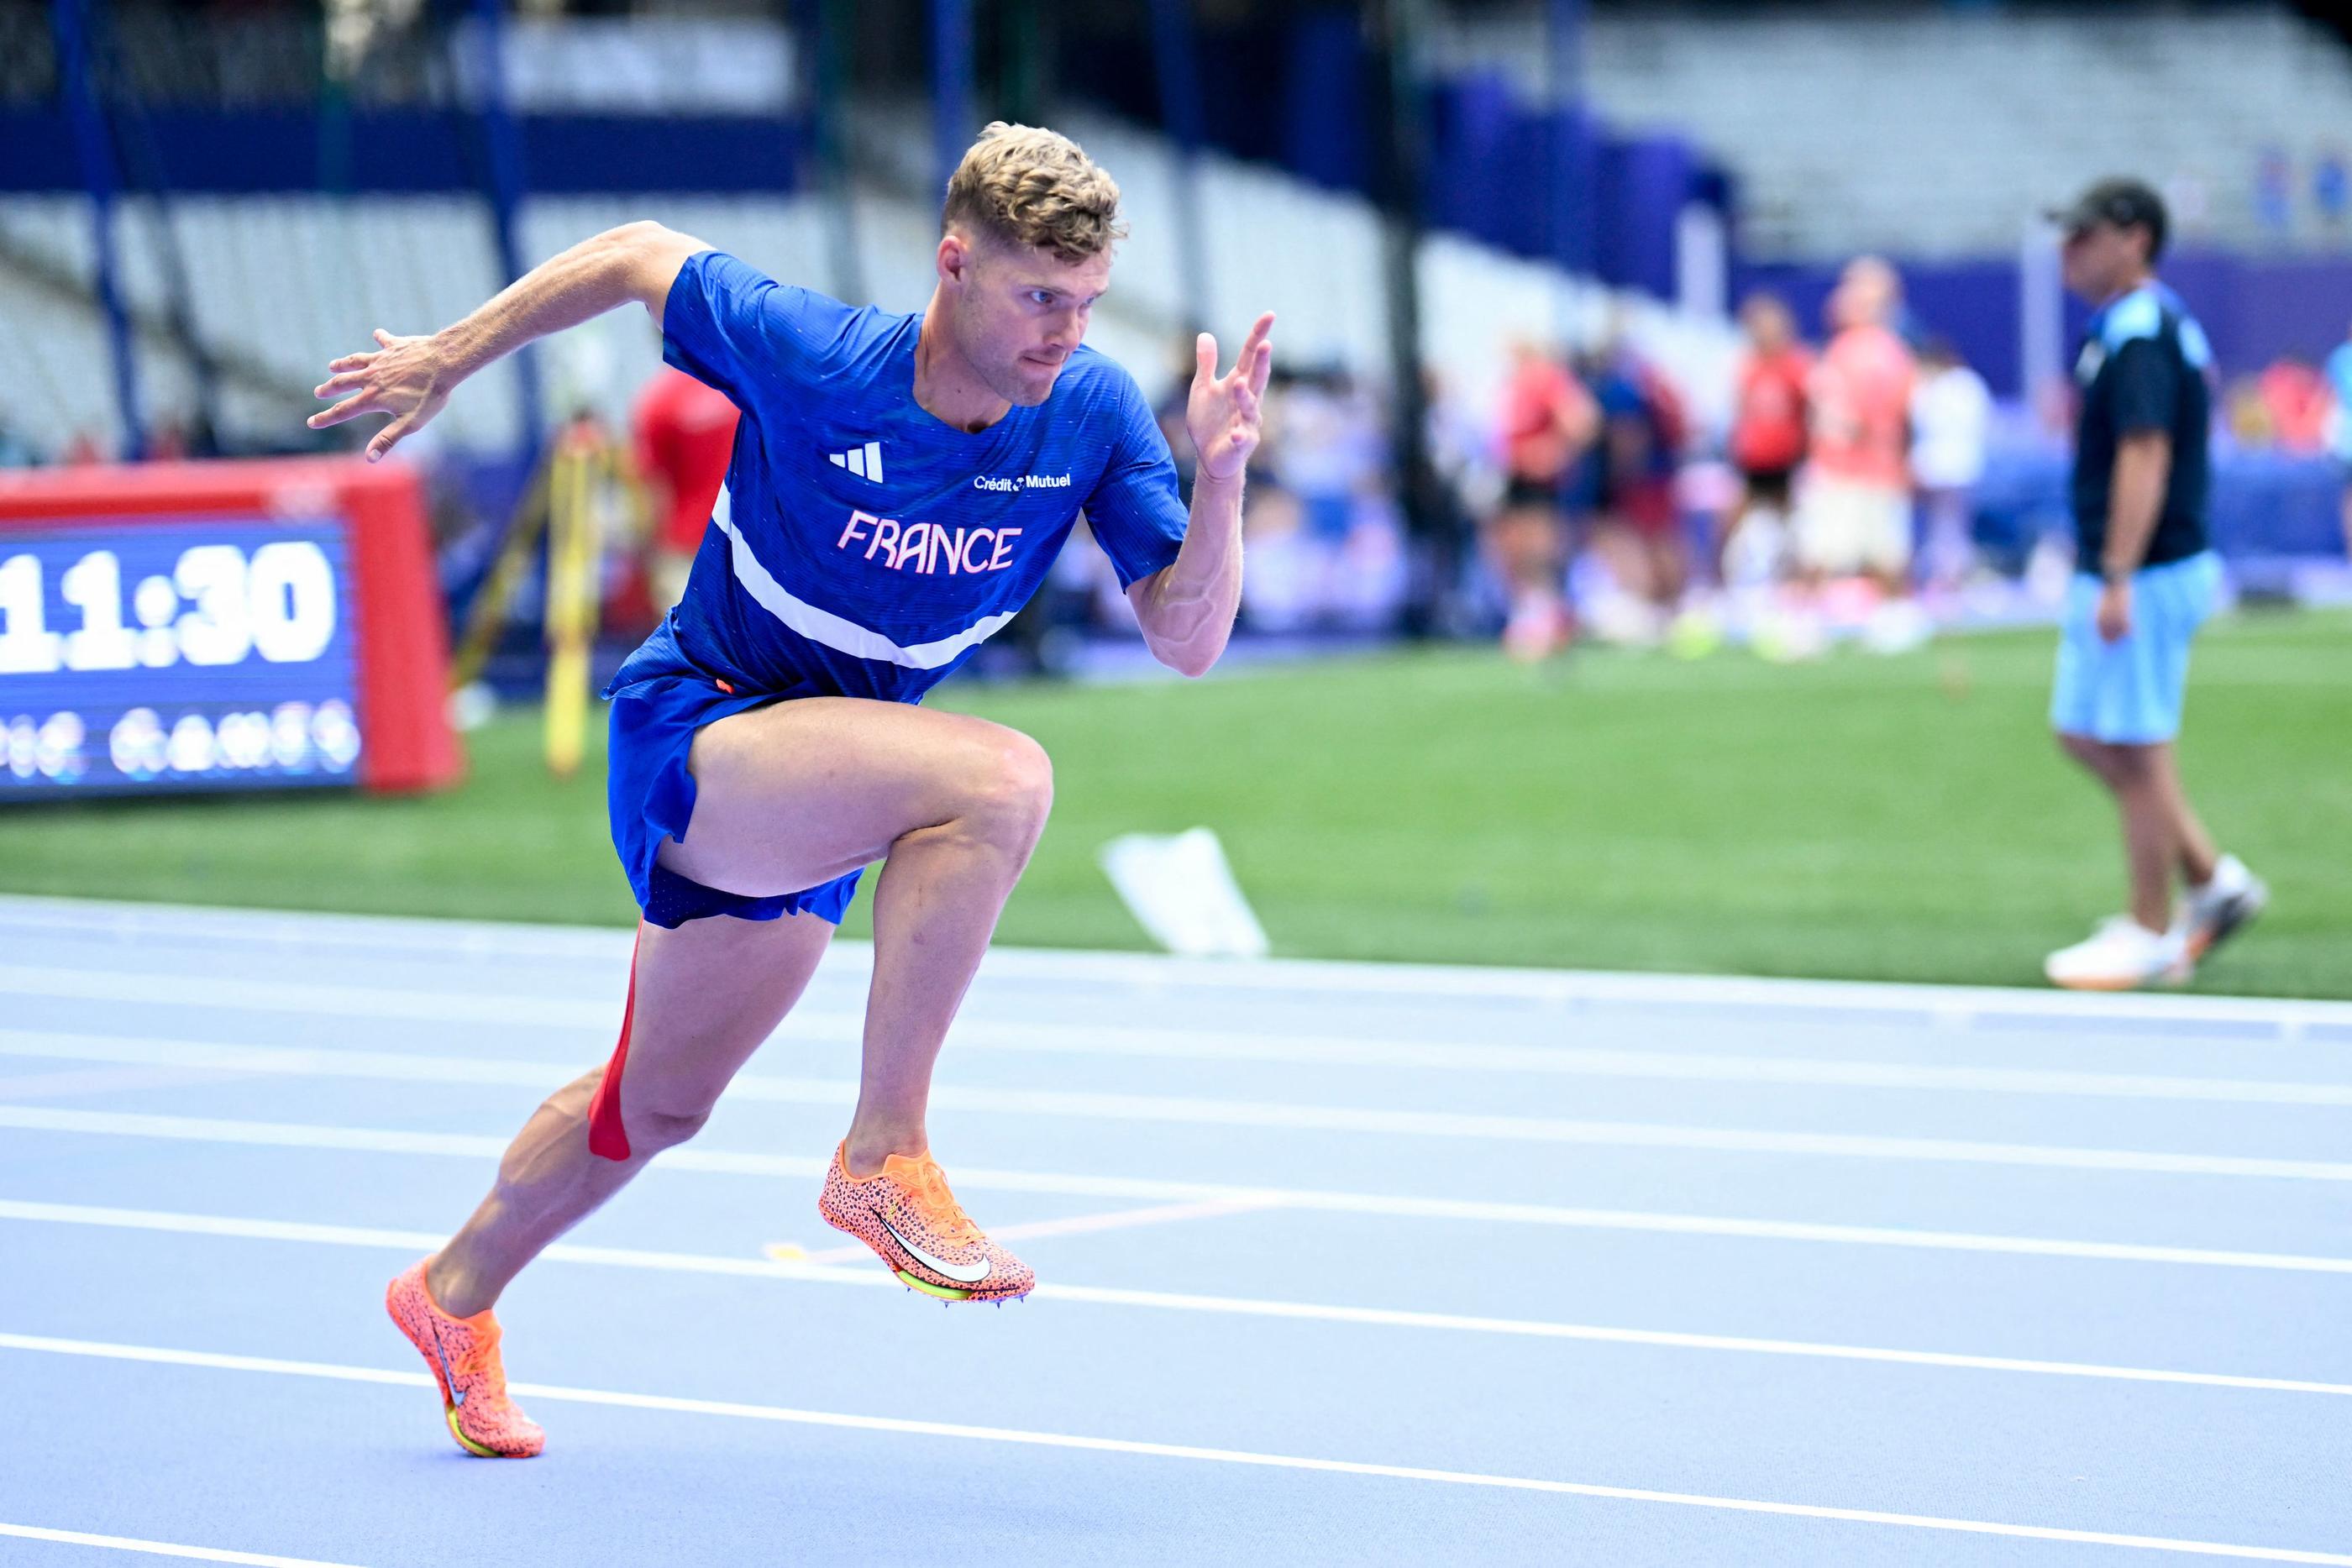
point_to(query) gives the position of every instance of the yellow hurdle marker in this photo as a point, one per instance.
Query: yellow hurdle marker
(574, 553)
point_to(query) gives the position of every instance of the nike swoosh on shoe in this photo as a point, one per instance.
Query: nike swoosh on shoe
(962, 1273)
(456, 1395)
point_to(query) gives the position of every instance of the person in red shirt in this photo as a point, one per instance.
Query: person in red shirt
(1768, 436)
(1548, 421)
(1767, 426)
(684, 433)
(1856, 518)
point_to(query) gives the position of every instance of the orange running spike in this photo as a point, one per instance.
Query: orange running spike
(906, 1213)
(463, 1355)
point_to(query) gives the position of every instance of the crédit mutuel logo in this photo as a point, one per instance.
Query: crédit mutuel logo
(1026, 482)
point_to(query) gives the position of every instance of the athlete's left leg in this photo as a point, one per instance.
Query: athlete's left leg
(706, 995)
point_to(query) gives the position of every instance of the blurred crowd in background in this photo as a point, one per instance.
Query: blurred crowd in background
(1839, 490)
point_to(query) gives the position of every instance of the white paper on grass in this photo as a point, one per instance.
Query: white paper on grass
(1180, 889)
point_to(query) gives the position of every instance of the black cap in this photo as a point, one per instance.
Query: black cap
(2125, 203)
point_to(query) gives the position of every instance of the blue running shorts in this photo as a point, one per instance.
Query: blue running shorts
(2129, 693)
(659, 699)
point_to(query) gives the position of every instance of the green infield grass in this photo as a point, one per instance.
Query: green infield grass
(1901, 818)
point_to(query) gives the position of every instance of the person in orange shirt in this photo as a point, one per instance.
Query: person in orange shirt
(1548, 420)
(684, 431)
(1855, 517)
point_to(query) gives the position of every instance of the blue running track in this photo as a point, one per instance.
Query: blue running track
(1342, 1264)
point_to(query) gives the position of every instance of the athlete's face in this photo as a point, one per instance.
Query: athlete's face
(1019, 312)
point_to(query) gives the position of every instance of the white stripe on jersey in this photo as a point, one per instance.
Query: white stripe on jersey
(842, 635)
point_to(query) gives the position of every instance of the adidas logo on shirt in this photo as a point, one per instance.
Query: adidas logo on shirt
(866, 461)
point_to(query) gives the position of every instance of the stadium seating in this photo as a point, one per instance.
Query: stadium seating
(1841, 144)
(289, 280)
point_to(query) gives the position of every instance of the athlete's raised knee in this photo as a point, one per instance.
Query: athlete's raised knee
(1009, 788)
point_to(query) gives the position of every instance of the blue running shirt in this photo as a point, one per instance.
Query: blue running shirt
(862, 547)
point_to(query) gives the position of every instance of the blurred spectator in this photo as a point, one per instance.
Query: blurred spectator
(1951, 414)
(2274, 190)
(1855, 515)
(1329, 453)
(1169, 413)
(2339, 424)
(1460, 455)
(2294, 396)
(1638, 534)
(1767, 439)
(1326, 539)
(1463, 460)
(1281, 590)
(16, 452)
(685, 433)
(2244, 414)
(1549, 421)
(2331, 188)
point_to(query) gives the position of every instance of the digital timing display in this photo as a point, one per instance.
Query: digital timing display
(176, 656)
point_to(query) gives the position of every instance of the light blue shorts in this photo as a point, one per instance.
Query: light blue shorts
(2129, 693)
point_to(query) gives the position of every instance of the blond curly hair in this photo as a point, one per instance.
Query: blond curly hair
(1034, 187)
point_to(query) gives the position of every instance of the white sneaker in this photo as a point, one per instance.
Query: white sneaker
(2211, 914)
(2121, 955)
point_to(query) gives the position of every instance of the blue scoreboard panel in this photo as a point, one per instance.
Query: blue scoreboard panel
(172, 655)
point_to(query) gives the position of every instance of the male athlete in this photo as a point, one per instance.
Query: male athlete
(2145, 580)
(899, 486)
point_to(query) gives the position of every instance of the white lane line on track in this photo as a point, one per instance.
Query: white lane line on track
(1953, 1005)
(725, 1162)
(1197, 1111)
(1227, 1045)
(98, 1080)
(820, 1270)
(901, 1427)
(302, 997)
(160, 1548)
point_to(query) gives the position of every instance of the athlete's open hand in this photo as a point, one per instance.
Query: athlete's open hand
(1223, 412)
(407, 378)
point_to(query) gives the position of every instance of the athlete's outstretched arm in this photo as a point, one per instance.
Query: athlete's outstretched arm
(1187, 609)
(411, 378)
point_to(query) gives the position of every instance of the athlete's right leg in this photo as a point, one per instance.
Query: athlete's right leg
(799, 792)
(707, 994)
